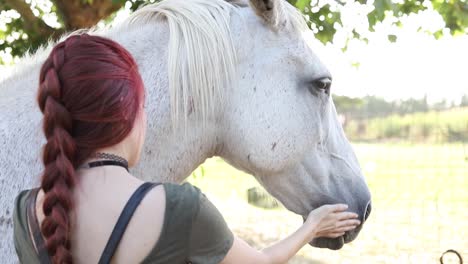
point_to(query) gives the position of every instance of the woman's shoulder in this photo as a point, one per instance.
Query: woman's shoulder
(182, 204)
(201, 218)
(22, 196)
(186, 186)
(185, 192)
(23, 244)
(20, 206)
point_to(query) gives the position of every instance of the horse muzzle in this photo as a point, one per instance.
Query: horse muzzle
(338, 243)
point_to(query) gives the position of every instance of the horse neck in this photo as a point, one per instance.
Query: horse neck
(20, 128)
(168, 154)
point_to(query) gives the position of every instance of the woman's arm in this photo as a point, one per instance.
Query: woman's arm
(326, 221)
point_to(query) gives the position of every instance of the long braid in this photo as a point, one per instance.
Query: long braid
(90, 93)
(59, 152)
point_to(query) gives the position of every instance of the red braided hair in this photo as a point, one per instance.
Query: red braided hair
(90, 93)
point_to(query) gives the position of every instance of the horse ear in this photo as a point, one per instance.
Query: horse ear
(268, 10)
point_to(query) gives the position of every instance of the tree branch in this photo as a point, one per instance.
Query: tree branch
(32, 23)
(78, 14)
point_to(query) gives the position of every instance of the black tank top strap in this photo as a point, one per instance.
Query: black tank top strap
(124, 219)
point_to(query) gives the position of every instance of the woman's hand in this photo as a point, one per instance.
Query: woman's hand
(331, 221)
(326, 221)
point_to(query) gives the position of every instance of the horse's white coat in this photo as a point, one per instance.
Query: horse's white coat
(266, 118)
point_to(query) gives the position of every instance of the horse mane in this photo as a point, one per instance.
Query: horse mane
(201, 55)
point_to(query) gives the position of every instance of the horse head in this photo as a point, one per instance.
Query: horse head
(280, 123)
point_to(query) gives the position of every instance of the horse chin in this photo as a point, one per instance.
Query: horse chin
(330, 243)
(335, 243)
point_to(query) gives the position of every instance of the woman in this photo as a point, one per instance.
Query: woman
(90, 209)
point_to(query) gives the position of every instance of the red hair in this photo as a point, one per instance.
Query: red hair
(90, 93)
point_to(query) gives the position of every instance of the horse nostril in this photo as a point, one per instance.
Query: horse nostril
(368, 210)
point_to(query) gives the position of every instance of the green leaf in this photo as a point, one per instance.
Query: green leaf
(438, 34)
(378, 14)
(392, 38)
(202, 170)
(301, 4)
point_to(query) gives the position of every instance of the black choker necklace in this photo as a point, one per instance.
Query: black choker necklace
(108, 159)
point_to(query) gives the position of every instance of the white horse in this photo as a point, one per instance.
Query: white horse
(222, 79)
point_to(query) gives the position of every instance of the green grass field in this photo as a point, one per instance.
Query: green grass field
(420, 205)
(433, 126)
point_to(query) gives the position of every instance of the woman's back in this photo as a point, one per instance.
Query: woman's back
(172, 224)
(100, 199)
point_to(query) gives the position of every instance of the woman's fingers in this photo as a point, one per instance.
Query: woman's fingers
(340, 226)
(343, 229)
(352, 222)
(334, 235)
(336, 232)
(347, 215)
(331, 235)
(338, 207)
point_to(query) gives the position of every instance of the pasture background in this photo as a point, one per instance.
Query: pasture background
(420, 204)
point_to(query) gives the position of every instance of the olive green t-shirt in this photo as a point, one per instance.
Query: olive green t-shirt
(193, 231)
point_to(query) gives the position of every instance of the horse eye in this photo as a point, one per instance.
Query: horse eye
(323, 84)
